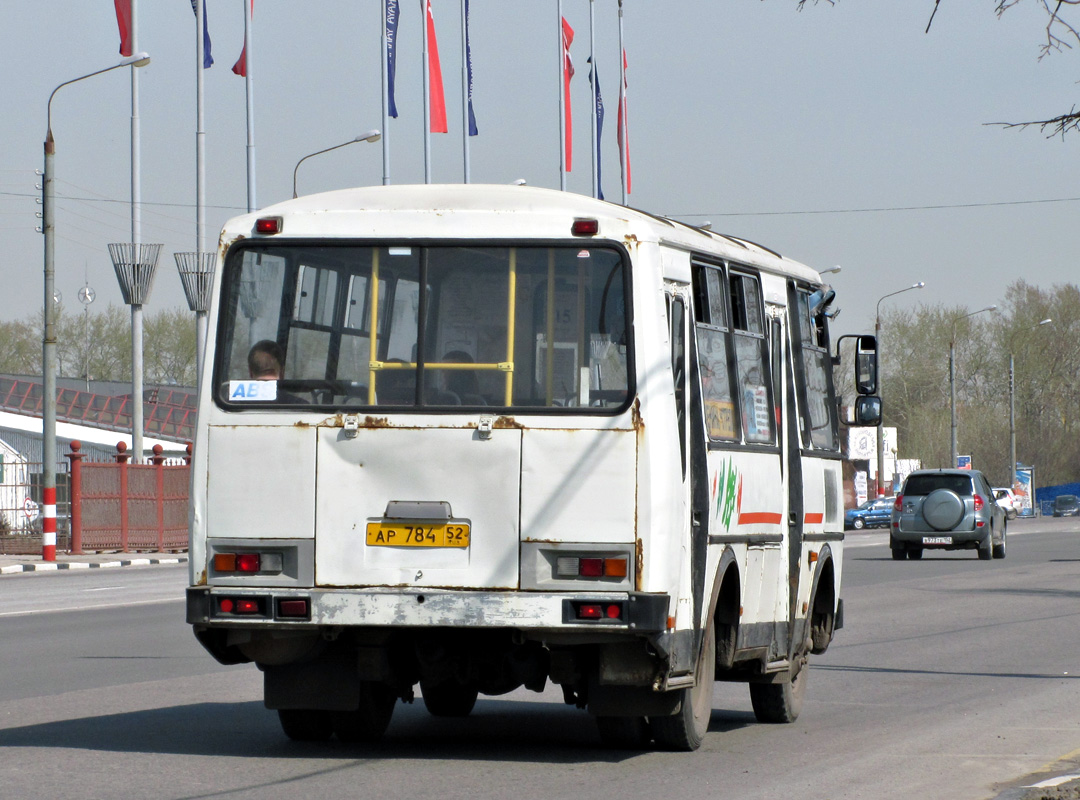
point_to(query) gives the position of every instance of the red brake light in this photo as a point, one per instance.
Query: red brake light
(592, 567)
(590, 611)
(247, 562)
(898, 503)
(247, 606)
(585, 227)
(978, 502)
(268, 225)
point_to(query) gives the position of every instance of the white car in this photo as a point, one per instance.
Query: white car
(1008, 501)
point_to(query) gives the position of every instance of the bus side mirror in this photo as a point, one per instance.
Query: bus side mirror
(867, 411)
(866, 363)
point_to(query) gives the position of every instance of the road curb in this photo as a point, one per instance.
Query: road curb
(57, 566)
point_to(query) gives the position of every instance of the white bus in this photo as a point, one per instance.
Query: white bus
(474, 438)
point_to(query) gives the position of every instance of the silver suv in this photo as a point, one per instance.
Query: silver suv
(947, 509)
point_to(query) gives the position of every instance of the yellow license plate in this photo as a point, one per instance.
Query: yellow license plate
(418, 534)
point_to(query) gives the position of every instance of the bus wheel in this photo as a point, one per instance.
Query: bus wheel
(779, 702)
(686, 728)
(306, 724)
(368, 722)
(449, 698)
(624, 733)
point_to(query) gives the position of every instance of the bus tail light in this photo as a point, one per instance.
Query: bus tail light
(600, 612)
(240, 606)
(585, 227)
(248, 563)
(591, 567)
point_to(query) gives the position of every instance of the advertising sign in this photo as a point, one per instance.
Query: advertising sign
(1024, 489)
(963, 462)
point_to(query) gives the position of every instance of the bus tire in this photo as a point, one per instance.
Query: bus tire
(369, 721)
(449, 698)
(686, 728)
(624, 733)
(306, 724)
(780, 702)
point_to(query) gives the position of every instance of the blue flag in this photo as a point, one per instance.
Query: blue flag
(468, 63)
(207, 59)
(594, 78)
(391, 8)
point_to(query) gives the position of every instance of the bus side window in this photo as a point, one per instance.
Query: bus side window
(750, 355)
(714, 352)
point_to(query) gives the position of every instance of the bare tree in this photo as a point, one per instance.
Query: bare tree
(1061, 34)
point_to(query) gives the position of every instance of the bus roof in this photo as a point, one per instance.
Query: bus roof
(492, 212)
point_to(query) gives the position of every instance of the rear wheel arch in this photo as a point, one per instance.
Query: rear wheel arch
(725, 609)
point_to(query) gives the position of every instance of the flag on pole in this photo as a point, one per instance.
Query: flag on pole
(208, 60)
(468, 68)
(391, 26)
(623, 130)
(240, 67)
(568, 73)
(435, 84)
(123, 21)
(594, 79)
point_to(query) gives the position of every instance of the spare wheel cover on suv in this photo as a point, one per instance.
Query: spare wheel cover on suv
(943, 509)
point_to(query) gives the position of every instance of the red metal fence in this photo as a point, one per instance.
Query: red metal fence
(118, 505)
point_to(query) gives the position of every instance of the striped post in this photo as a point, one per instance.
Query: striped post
(48, 524)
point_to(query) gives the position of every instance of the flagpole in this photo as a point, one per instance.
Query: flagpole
(385, 97)
(592, 58)
(427, 97)
(464, 86)
(249, 86)
(624, 141)
(562, 99)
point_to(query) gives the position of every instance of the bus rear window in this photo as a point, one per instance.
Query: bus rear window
(493, 327)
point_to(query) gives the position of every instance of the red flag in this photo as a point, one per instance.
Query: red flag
(123, 21)
(624, 134)
(435, 85)
(240, 67)
(568, 73)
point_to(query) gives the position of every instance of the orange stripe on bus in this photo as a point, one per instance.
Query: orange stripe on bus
(758, 517)
(814, 519)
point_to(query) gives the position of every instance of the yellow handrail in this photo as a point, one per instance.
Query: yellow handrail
(374, 324)
(511, 324)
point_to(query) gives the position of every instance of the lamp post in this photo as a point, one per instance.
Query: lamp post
(953, 452)
(880, 429)
(48, 340)
(197, 275)
(370, 136)
(1012, 406)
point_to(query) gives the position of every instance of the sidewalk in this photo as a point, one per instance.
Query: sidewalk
(12, 564)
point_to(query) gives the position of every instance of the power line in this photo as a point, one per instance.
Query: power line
(938, 207)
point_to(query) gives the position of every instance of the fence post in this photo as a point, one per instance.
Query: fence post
(75, 490)
(158, 460)
(122, 459)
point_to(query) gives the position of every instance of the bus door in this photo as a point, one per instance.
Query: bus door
(692, 513)
(790, 461)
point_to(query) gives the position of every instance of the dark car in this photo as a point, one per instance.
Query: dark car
(1066, 505)
(871, 514)
(947, 509)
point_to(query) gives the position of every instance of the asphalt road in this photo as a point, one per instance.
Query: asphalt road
(953, 678)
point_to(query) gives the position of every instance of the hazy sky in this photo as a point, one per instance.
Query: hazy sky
(841, 134)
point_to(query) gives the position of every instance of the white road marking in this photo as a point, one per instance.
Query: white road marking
(31, 611)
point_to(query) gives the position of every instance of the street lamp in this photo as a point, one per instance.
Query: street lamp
(370, 136)
(1012, 406)
(48, 339)
(880, 428)
(953, 452)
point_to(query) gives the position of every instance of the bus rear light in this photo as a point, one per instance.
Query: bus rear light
(269, 225)
(248, 563)
(240, 605)
(612, 612)
(294, 609)
(585, 227)
(591, 567)
(590, 611)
